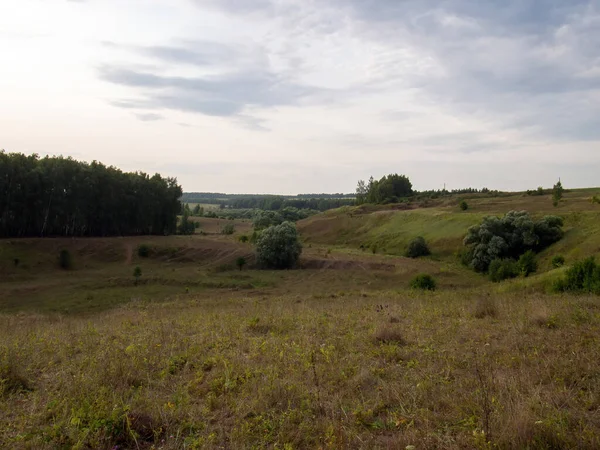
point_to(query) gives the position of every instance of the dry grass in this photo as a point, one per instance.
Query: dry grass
(486, 307)
(203, 373)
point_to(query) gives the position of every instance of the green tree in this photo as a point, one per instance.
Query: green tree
(417, 248)
(240, 262)
(509, 237)
(228, 229)
(278, 247)
(557, 193)
(186, 226)
(464, 205)
(137, 273)
(527, 263)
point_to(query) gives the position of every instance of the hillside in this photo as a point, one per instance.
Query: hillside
(444, 225)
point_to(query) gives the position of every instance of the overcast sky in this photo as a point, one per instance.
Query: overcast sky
(292, 96)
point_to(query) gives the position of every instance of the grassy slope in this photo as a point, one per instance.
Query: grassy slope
(339, 355)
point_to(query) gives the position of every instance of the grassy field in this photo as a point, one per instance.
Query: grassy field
(338, 354)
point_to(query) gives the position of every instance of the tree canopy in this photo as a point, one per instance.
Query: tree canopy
(509, 237)
(278, 247)
(388, 189)
(56, 196)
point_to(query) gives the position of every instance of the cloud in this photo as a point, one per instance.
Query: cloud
(149, 117)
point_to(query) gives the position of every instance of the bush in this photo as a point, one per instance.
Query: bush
(244, 238)
(558, 261)
(583, 276)
(503, 269)
(485, 307)
(65, 260)
(509, 237)
(527, 263)
(464, 205)
(278, 247)
(137, 273)
(144, 251)
(417, 247)
(241, 262)
(228, 229)
(423, 282)
(186, 226)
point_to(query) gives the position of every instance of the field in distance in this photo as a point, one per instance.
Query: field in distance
(338, 354)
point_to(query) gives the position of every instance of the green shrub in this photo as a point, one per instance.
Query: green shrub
(527, 263)
(583, 276)
(186, 226)
(464, 205)
(241, 262)
(423, 282)
(278, 247)
(374, 248)
(509, 237)
(558, 261)
(144, 250)
(65, 260)
(244, 238)
(417, 247)
(228, 229)
(503, 269)
(137, 273)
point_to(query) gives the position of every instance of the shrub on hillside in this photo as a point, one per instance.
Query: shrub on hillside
(186, 226)
(423, 282)
(144, 250)
(417, 247)
(278, 247)
(509, 237)
(228, 229)
(266, 219)
(527, 263)
(503, 269)
(583, 276)
(463, 205)
(65, 260)
(558, 261)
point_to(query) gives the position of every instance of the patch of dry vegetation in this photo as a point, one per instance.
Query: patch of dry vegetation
(290, 372)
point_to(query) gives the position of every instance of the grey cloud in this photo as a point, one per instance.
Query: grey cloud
(149, 117)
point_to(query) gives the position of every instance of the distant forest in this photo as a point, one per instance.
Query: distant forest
(318, 202)
(56, 196)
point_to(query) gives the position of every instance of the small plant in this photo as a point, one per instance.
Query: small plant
(374, 248)
(463, 205)
(389, 334)
(423, 282)
(244, 238)
(143, 250)
(137, 273)
(503, 269)
(65, 260)
(417, 247)
(485, 307)
(228, 229)
(595, 199)
(557, 193)
(527, 263)
(558, 261)
(16, 262)
(241, 262)
(583, 276)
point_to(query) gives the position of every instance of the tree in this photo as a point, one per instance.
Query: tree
(557, 193)
(265, 219)
(361, 192)
(388, 189)
(186, 226)
(278, 247)
(228, 229)
(240, 262)
(464, 205)
(509, 237)
(527, 263)
(417, 247)
(137, 273)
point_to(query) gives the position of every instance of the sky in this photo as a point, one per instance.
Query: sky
(289, 96)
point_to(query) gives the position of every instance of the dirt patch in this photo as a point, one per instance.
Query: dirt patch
(329, 264)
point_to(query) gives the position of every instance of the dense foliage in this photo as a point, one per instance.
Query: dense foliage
(278, 247)
(509, 237)
(503, 269)
(56, 196)
(417, 248)
(319, 202)
(423, 282)
(583, 276)
(389, 189)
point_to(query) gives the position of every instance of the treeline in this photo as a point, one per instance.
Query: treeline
(319, 202)
(395, 188)
(56, 196)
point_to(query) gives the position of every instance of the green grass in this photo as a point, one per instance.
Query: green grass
(340, 354)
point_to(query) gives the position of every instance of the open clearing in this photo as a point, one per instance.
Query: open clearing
(338, 354)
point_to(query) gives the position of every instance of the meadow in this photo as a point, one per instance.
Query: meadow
(337, 354)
